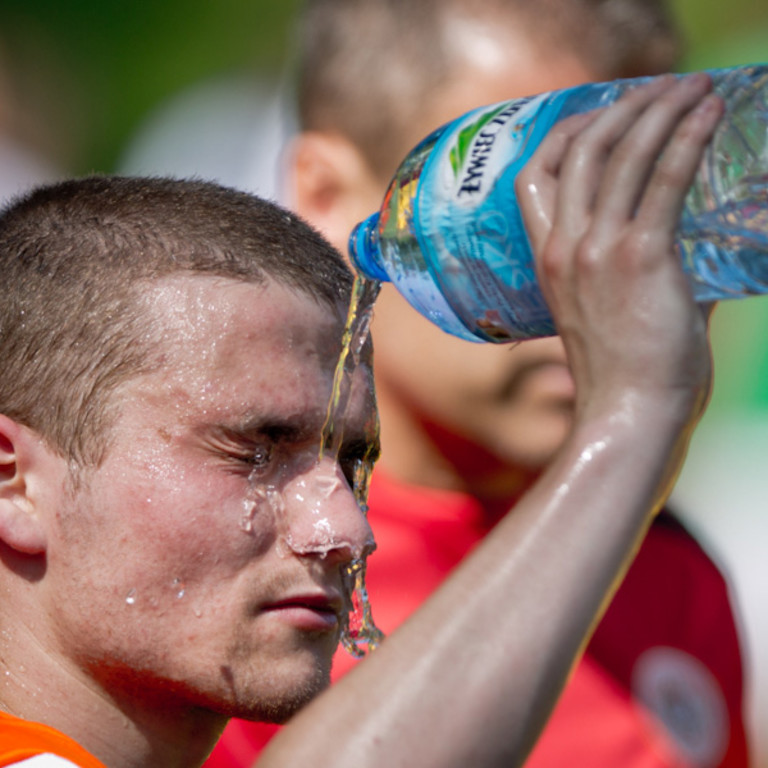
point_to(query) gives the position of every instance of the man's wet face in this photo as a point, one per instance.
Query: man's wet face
(204, 556)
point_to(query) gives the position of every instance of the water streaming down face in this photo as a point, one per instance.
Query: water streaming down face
(218, 451)
(297, 505)
(360, 631)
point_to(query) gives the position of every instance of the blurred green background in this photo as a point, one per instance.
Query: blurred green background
(93, 69)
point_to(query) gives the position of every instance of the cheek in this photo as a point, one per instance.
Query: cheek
(182, 528)
(197, 529)
(426, 365)
(162, 546)
(178, 558)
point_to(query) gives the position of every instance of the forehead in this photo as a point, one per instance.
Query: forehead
(498, 58)
(231, 348)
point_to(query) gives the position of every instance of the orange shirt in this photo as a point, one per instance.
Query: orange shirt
(22, 739)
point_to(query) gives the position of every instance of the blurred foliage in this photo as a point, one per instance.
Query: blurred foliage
(91, 69)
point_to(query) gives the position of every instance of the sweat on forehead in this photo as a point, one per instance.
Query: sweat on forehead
(206, 313)
(74, 254)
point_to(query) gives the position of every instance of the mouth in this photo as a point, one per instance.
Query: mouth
(316, 612)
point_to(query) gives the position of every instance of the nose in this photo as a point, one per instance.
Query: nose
(322, 517)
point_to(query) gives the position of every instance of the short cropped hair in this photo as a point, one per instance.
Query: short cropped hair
(74, 259)
(364, 67)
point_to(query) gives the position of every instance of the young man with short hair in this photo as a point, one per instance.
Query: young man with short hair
(174, 531)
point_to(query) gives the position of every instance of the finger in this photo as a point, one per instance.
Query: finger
(633, 159)
(664, 198)
(536, 184)
(549, 155)
(583, 167)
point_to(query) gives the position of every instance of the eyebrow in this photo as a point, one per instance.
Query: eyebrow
(291, 428)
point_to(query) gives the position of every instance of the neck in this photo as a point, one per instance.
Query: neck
(420, 452)
(44, 687)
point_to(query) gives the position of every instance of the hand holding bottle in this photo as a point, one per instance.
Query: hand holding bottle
(601, 199)
(450, 234)
(602, 196)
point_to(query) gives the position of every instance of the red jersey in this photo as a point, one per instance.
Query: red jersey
(666, 651)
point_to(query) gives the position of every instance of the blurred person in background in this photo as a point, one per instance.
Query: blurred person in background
(467, 429)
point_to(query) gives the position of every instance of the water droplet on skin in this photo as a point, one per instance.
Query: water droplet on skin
(257, 495)
(327, 485)
(130, 598)
(276, 503)
(249, 511)
(246, 524)
(180, 588)
(283, 547)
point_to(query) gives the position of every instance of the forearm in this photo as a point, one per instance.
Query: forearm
(471, 678)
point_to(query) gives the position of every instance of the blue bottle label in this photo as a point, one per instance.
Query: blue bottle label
(471, 239)
(469, 222)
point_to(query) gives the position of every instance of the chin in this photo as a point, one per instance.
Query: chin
(275, 699)
(276, 712)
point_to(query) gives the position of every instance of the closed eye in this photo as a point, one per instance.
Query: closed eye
(261, 456)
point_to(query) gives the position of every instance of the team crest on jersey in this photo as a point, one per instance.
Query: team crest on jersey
(684, 695)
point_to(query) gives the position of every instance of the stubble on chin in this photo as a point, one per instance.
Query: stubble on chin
(272, 700)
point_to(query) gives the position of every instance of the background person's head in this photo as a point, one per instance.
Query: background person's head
(168, 354)
(375, 77)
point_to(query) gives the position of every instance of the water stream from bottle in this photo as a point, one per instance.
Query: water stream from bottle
(359, 632)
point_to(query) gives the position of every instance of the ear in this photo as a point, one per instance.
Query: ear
(20, 527)
(330, 184)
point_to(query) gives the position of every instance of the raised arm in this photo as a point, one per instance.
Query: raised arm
(472, 677)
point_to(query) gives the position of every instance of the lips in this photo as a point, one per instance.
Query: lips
(309, 612)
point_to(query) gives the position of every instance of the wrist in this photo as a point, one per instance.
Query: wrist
(645, 433)
(656, 413)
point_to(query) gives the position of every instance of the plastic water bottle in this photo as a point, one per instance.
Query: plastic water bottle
(449, 234)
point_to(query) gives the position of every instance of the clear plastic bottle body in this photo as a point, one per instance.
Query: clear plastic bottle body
(450, 237)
